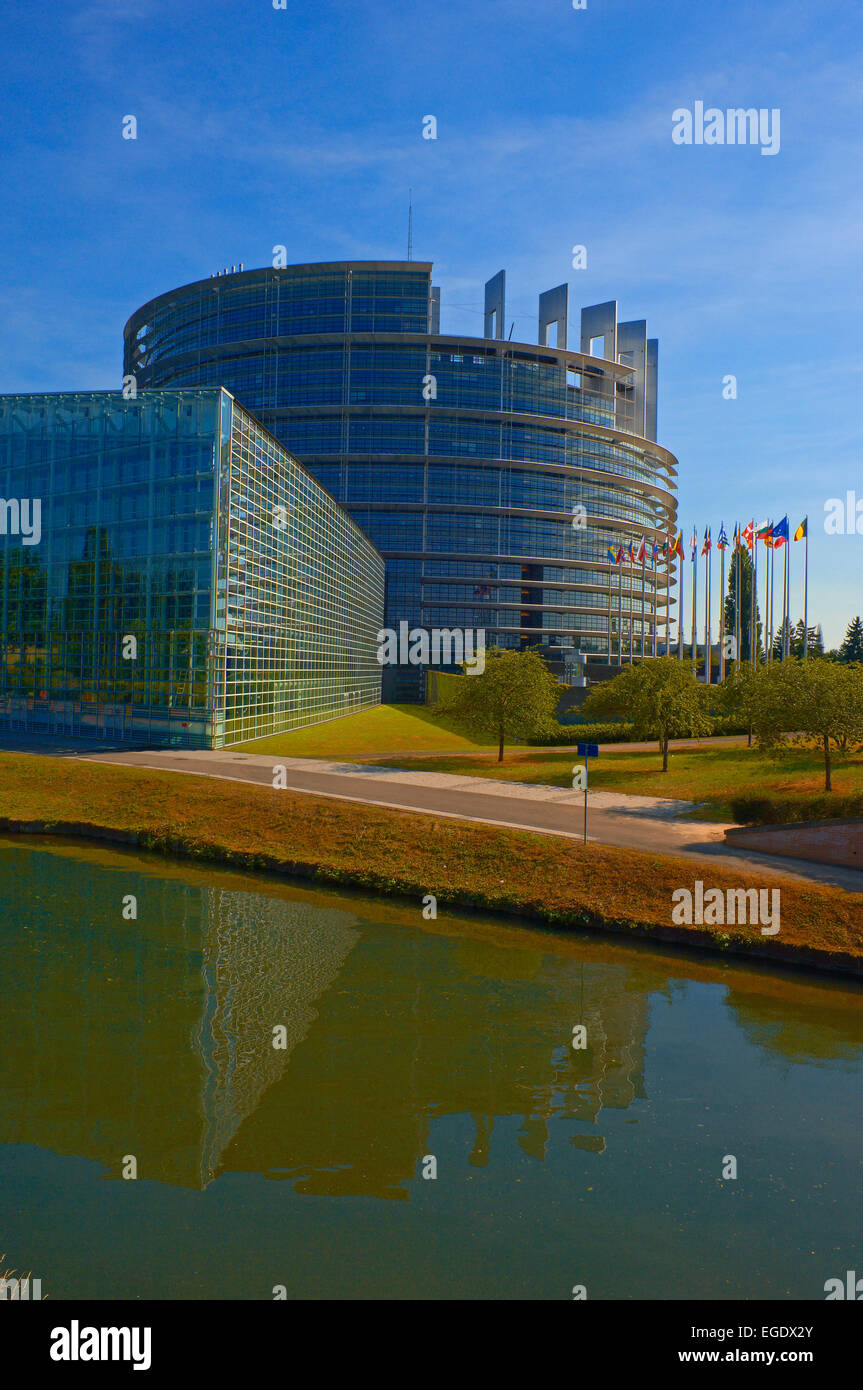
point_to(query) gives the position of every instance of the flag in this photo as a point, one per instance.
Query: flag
(765, 533)
(707, 541)
(678, 545)
(737, 536)
(612, 555)
(722, 539)
(801, 531)
(630, 553)
(656, 553)
(780, 533)
(620, 555)
(748, 535)
(642, 552)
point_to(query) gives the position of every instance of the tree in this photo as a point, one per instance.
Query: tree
(852, 647)
(786, 635)
(821, 700)
(815, 645)
(745, 605)
(515, 696)
(738, 693)
(660, 696)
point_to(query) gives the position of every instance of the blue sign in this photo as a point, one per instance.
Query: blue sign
(589, 750)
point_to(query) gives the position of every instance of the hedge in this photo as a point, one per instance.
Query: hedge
(728, 724)
(583, 733)
(787, 810)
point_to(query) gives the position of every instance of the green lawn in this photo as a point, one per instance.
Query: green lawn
(371, 734)
(411, 736)
(713, 774)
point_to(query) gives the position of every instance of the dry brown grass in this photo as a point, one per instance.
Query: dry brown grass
(532, 876)
(11, 1274)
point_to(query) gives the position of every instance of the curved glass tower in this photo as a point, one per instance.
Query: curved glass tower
(492, 475)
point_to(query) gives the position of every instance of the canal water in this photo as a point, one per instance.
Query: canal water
(425, 1127)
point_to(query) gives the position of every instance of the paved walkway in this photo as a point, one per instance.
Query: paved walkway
(634, 822)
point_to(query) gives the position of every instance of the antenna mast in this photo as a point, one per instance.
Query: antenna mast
(410, 224)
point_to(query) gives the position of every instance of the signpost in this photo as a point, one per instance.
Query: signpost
(587, 750)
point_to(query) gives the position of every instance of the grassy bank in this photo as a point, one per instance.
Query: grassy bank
(737, 782)
(534, 877)
(373, 733)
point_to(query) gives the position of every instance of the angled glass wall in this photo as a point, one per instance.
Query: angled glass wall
(299, 593)
(169, 575)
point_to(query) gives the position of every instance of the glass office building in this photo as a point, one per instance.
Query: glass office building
(170, 575)
(464, 459)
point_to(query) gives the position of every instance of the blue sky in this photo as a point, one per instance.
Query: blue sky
(303, 127)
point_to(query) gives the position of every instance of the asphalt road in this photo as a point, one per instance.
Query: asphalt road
(626, 823)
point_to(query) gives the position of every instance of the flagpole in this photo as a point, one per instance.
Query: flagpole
(788, 569)
(654, 646)
(786, 636)
(609, 614)
(806, 591)
(753, 646)
(667, 606)
(710, 616)
(694, 600)
(768, 599)
(707, 623)
(749, 652)
(628, 601)
(680, 608)
(769, 595)
(740, 585)
(738, 629)
(722, 615)
(631, 614)
(787, 601)
(643, 563)
(656, 577)
(781, 635)
(706, 601)
(619, 608)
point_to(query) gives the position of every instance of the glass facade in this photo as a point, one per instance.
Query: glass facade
(189, 583)
(462, 459)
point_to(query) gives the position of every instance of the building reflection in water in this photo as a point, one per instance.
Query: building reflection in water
(154, 1037)
(423, 1027)
(265, 963)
